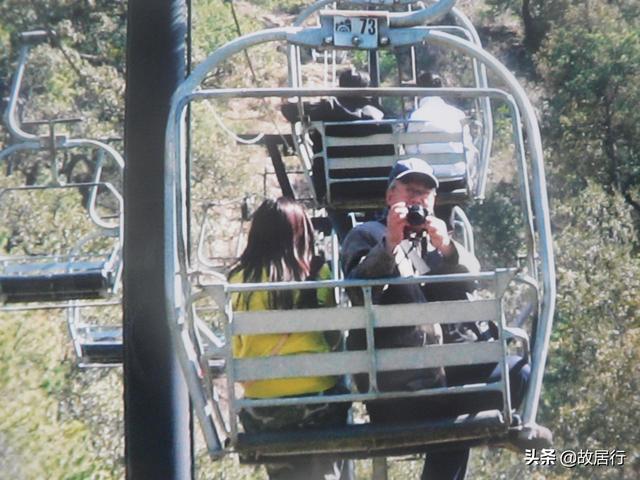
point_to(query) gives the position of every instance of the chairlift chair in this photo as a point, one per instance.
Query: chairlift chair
(79, 278)
(199, 348)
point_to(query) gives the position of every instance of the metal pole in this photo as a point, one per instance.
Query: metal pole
(158, 440)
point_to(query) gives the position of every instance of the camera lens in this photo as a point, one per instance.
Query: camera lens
(416, 215)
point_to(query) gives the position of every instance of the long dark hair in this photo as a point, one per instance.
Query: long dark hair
(280, 243)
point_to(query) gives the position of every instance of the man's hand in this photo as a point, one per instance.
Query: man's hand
(439, 235)
(396, 223)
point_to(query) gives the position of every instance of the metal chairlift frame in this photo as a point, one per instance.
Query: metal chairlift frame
(217, 263)
(181, 294)
(82, 335)
(464, 28)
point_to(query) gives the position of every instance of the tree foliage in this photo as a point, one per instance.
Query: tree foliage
(58, 422)
(537, 17)
(592, 123)
(593, 380)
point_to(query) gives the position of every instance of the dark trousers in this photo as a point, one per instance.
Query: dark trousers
(452, 464)
(307, 467)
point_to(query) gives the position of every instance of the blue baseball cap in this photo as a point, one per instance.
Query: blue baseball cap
(417, 168)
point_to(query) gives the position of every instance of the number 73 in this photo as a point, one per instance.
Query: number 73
(370, 23)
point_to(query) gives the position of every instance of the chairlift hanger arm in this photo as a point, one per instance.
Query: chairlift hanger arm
(85, 142)
(17, 147)
(27, 40)
(10, 115)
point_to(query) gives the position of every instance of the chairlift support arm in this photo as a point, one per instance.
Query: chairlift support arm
(272, 142)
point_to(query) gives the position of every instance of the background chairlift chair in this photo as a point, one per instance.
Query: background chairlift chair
(196, 353)
(461, 27)
(79, 278)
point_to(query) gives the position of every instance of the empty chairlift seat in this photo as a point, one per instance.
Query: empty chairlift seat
(79, 262)
(101, 345)
(63, 250)
(47, 279)
(96, 345)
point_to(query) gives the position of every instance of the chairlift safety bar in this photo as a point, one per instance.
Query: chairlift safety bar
(369, 316)
(502, 276)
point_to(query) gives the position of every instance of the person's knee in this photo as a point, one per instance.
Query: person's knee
(519, 373)
(519, 368)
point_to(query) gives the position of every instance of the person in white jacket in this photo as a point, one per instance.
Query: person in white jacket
(435, 115)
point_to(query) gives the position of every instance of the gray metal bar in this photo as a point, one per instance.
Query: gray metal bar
(434, 159)
(371, 320)
(374, 282)
(230, 370)
(466, 227)
(16, 147)
(420, 17)
(351, 362)
(298, 320)
(175, 275)
(10, 113)
(56, 306)
(285, 92)
(349, 318)
(66, 185)
(505, 381)
(397, 137)
(363, 397)
(525, 193)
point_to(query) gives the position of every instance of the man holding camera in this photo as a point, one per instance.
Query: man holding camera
(410, 241)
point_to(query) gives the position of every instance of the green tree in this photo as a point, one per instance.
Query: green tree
(593, 378)
(590, 67)
(497, 225)
(537, 17)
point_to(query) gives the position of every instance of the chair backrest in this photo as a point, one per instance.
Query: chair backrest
(356, 169)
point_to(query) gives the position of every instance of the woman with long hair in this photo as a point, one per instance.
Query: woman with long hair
(280, 248)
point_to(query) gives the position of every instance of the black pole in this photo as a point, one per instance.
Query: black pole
(158, 441)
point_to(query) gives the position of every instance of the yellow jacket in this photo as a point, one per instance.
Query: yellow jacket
(245, 346)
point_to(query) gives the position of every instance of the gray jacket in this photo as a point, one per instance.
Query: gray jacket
(364, 255)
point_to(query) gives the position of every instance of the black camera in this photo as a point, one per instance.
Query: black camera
(417, 215)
